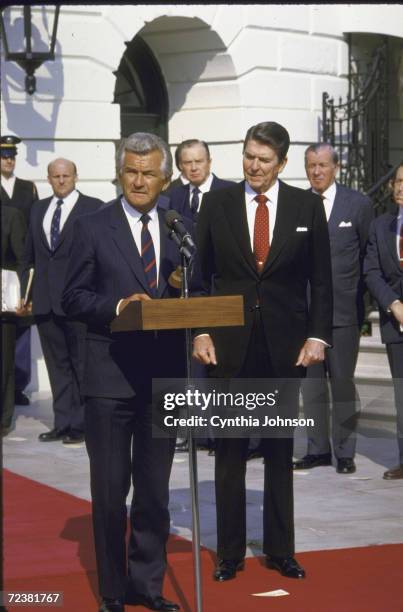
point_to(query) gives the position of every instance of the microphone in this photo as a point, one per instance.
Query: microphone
(179, 232)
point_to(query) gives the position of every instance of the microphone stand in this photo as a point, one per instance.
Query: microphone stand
(186, 262)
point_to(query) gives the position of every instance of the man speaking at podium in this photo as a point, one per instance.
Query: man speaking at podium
(121, 254)
(264, 240)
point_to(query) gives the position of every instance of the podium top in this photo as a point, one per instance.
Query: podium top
(179, 313)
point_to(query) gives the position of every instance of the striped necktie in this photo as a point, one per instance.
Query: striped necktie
(261, 241)
(55, 225)
(148, 255)
(194, 202)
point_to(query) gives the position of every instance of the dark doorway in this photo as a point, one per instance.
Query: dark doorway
(141, 92)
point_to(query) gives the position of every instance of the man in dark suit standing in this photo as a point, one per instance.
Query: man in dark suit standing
(194, 162)
(19, 194)
(48, 248)
(13, 231)
(383, 268)
(349, 214)
(265, 240)
(124, 254)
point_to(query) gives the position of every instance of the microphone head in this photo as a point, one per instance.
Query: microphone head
(172, 217)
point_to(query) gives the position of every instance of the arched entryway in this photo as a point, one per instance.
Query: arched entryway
(141, 92)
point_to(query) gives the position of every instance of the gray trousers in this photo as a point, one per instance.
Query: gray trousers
(337, 371)
(395, 356)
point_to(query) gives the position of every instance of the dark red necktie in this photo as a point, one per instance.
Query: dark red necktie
(261, 241)
(401, 246)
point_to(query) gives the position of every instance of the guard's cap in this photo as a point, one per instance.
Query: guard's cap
(8, 146)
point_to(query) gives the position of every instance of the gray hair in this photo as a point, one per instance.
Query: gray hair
(142, 143)
(318, 146)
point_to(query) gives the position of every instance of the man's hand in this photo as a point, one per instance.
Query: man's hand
(312, 352)
(23, 310)
(203, 350)
(397, 310)
(136, 297)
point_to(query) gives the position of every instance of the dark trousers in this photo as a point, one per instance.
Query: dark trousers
(63, 345)
(230, 471)
(7, 384)
(121, 447)
(337, 369)
(22, 357)
(395, 356)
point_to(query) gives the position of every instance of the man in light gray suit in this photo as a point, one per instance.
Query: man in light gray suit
(349, 214)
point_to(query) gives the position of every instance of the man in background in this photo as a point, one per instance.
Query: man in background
(19, 194)
(349, 214)
(194, 162)
(48, 249)
(383, 268)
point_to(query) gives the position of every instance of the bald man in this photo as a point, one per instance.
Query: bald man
(48, 250)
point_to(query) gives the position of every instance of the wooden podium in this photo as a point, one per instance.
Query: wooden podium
(184, 313)
(179, 313)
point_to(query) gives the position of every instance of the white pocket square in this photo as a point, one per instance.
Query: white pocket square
(302, 229)
(345, 224)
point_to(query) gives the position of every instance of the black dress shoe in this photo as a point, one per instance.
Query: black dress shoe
(156, 603)
(111, 605)
(53, 435)
(20, 399)
(311, 461)
(181, 446)
(227, 568)
(345, 466)
(394, 473)
(73, 437)
(287, 566)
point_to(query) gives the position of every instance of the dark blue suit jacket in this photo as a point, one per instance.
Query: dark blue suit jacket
(50, 267)
(179, 197)
(348, 226)
(108, 267)
(383, 274)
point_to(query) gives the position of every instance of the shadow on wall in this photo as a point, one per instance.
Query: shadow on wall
(32, 118)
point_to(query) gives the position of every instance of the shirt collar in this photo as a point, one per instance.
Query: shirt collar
(271, 194)
(329, 193)
(136, 214)
(204, 187)
(10, 178)
(72, 197)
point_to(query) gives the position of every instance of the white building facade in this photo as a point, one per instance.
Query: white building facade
(201, 71)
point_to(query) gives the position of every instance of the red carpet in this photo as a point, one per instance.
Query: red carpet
(48, 547)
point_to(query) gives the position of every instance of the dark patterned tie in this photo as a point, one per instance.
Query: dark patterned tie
(194, 202)
(401, 246)
(148, 255)
(261, 241)
(55, 225)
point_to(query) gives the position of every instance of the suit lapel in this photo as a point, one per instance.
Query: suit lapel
(41, 215)
(235, 212)
(162, 207)
(76, 211)
(4, 195)
(391, 239)
(340, 211)
(286, 221)
(124, 241)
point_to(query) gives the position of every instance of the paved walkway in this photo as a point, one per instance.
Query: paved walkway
(331, 510)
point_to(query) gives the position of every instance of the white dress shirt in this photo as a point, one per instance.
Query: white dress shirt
(328, 198)
(398, 228)
(251, 207)
(203, 188)
(67, 207)
(8, 184)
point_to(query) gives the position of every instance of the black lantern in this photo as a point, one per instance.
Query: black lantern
(40, 38)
